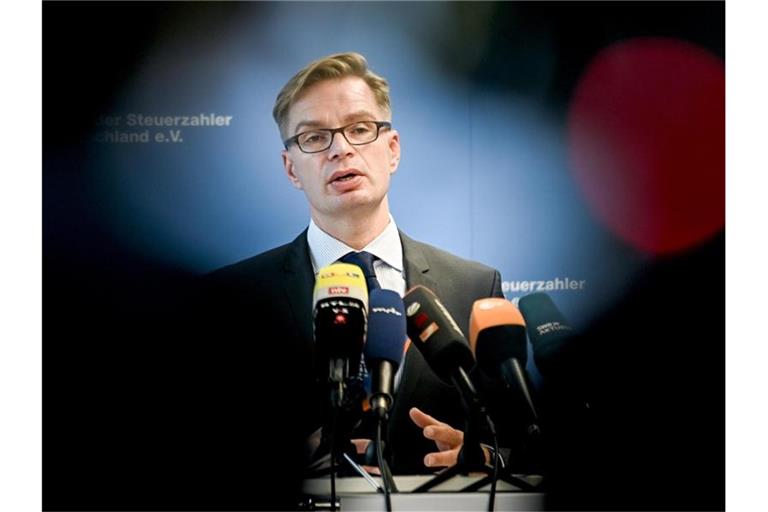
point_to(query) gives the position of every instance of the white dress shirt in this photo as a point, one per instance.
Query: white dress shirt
(387, 247)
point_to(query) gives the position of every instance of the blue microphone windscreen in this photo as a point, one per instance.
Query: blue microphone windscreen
(386, 327)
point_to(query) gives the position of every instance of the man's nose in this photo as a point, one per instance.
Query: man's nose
(340, 147)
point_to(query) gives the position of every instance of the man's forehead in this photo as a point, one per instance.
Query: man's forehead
(335, 100)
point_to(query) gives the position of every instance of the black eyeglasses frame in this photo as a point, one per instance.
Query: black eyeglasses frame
(333, 131)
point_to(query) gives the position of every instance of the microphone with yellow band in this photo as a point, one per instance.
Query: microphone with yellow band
(340, 318)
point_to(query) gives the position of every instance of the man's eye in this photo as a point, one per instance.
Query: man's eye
(312, 138)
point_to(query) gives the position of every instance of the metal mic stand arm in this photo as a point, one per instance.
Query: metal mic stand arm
(471, 456)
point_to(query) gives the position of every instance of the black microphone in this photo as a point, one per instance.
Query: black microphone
(552, 337)
(574, 433)
(340, 322)
(435, 334)
(384, 346)
(560, 356)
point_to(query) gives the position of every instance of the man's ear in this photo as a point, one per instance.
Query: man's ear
(394, 151)
(288, 166)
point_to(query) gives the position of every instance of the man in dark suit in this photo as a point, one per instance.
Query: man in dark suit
(341, 151)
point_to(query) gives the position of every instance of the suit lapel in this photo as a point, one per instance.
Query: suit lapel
(414, 366)
(416, 266)
(299, 282)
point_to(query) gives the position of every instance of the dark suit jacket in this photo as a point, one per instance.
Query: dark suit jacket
(262, 316)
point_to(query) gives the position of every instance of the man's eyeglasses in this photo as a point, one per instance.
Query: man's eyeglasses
(357, 134)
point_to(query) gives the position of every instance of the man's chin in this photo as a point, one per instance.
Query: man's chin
(355, 200)
(356, 203)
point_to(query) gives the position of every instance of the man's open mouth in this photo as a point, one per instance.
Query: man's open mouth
(342, 176)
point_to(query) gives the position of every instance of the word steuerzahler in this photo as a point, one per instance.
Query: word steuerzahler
(211, 119)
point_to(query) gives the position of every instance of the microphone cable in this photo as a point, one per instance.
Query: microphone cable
(495, 475)
(386, 477)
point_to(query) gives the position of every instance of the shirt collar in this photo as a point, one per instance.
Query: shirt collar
(325, 249)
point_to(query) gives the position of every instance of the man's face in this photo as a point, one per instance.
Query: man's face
(344, 179)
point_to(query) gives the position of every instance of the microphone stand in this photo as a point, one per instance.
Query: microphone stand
(380, 403)
(338, 368)
(511, 375)
(339, 442)
(506, 474)
(386, 474)
(471, 457)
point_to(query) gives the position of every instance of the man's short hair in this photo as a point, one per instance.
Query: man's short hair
(339, 65)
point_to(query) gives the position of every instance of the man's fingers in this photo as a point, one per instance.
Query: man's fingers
(422, 419)
(445, 436)
(441, 459)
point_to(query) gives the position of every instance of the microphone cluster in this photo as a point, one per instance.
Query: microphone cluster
(350, 324)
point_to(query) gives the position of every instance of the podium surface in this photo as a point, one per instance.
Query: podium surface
(355, 493)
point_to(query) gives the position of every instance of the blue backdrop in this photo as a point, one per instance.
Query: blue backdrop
(484, 172)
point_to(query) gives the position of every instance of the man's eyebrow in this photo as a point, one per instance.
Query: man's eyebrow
(360, 115)
(307, 124)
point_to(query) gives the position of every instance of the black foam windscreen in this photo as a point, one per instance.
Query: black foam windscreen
(435, 334)
(551, 335)
(499, 343)
(340, 327)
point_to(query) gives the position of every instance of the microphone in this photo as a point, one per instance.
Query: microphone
(340, 301)
(552, 337)
(573, 430)
(383, 355)
(435, 334)
(497, 338)
(384, 347)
